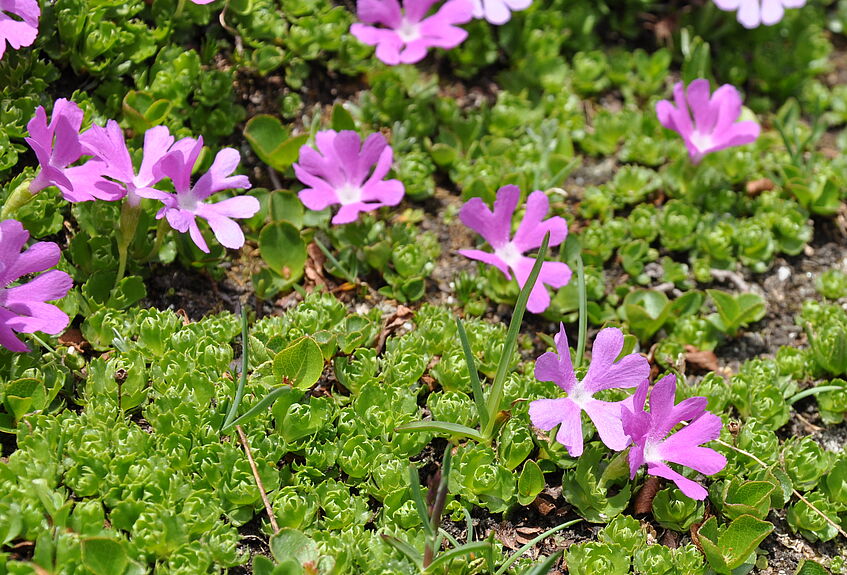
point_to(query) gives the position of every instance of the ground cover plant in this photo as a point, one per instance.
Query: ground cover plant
(423, 286)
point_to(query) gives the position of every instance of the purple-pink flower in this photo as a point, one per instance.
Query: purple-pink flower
(603, 373)
(109, 147)
(715, 124)
(407, 33)
(338, 173)
(752, 13)
(184, 207)
(495, 227)
(651, 444)
(22, 307)
(498, 11)
(18, 23)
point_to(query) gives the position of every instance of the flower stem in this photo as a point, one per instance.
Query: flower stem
(126, 231)
(18, 198)
(583, 311)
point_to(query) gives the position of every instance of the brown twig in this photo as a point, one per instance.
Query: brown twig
(258, 479)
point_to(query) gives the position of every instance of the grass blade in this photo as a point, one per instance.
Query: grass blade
(245, 364)
(496, 395)
(452, 429)
(476, 386)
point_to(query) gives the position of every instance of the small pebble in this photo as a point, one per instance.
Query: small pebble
(783, 273)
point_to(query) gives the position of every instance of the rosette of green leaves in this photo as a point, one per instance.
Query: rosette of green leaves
(625, 532)
(809, 523)
(805, 462)
(589, 484)
(595, 557)
(760, 389)
(478, 477)
(673, 510)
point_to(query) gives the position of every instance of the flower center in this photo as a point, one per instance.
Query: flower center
(348, 194)
(409, 31)
(187, 201)
(579, 395)
(510, 254)
(702, 141)
(652, 452)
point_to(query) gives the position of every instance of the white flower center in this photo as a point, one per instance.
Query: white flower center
(652, 452)
(409, 31)
(702, 141)
(509, 254)
(348, 194)
(579, 395)
(187, 201)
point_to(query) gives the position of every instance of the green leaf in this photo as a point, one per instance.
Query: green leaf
(282, 248)
(341, 118)
(809, 567)
(293, 544)
(104, 556)
(530, 483)
(300, 364)
(128, 291)
(271, 142)
(729, 547)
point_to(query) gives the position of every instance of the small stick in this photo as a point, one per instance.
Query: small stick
(258, 479)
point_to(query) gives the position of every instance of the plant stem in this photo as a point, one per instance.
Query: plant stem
(583, 312)
(347, 275)
(18, 198)
(126, 231)
(814, 391)
(268, 508)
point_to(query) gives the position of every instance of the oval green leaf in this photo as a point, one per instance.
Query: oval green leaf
(300, 364)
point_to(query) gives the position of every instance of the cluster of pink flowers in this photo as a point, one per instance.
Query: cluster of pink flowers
(404, 34)
(23, 307)
(18, 23)
(624, 423)
(107, 172)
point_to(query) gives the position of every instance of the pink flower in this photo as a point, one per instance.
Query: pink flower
(109, 147)
(22, 307)
(495, 228)
(184, 207)
(338, 174)
(751, 13)
(651, 445)
(603, 373)
(715, 118)
(498, 11)
(21, 28)
(57, 145)
(408, 33)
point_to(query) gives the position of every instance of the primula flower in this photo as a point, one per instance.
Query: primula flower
(603, 373)
(751, 13)
(498, 11)
(408, 32)
(495, 228)
(715, 124)
(57, 145)
(18, 23)
(651, 444)
(108, 145)
(337, 173)
(184, 207)
(22, 307)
